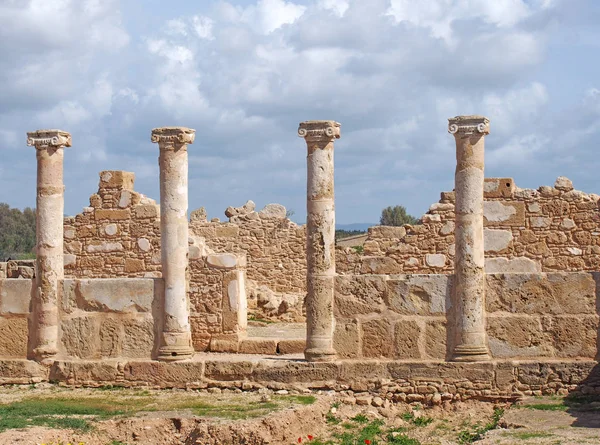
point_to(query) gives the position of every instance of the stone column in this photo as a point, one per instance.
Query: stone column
(175, 341)
(49, 145)
(469, 264)
(320, 242)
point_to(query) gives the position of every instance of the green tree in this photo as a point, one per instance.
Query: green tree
(17, 232)
(396, 216)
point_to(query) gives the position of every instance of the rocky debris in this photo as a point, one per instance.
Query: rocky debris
(240, 211)
(273, 211)
(564, 184)
(198, 215)
(266, 304)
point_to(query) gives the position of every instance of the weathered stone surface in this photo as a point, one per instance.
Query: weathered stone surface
(15, 296)
(80, 337)
(222, 260)
(497, 240)
(273, 211)
(376, 335)
(573, 336)
(292, 346)
(113, 295)
(418, 294)
(436, 260)
(436, 339)
(138, 337)
(498, 187)
(347, 338)
(499, 213)
(546, 293)
(517, 336)
(407, 334)
(13, 337)
(359, 294)
(266, 346)
(513, 265)
(564, 184)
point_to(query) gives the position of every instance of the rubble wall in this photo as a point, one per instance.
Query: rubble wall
(548, 229)
(543, 315)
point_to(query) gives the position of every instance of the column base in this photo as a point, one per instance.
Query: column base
(319, 355)
(471, 353)
(175, 346)
(44, 354)
(174, 353)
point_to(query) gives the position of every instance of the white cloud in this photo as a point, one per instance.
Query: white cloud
(269, 15)
(339, 7)
(203, 27)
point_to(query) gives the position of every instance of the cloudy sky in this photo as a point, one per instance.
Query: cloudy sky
(244, 73)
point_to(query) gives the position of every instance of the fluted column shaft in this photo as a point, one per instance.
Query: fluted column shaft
(49, 145)
(469, 261)
(320, 228)
(175, 338)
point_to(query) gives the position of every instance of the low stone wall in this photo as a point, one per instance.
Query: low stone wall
(359, 380)
(15, 298)
(545, 315)
(548, 229)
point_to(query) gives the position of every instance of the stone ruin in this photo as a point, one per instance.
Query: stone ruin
(493, 295)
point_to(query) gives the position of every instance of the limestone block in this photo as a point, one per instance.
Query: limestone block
(276, 211)
(574, 251)
(539, 248)
(111, 214)
(146, 211)
(227, 231)
(15, 296)
(539, 222)
(104, 247)
(163, 374)
(391, 232)
(115, 294)
(346, 338)
(291, 346)
(567, 224)
(222, 260)
(419, 294)
(144, 244)
(533, 207)
(266, 346)
(436, 260)
(406, 339)
(125, 199)
(111, 229)
(435, 339)
(117, 179)
(545, 293)
(69, 233)
(138, 337)
(564, 184)
(517, 336)
(198, 215)
(441, 207)
(448, 197)
(573, 336)
(431, 218)
(13, 340)
(496, 240)
(447, 228)
(512, 265)
(359, 294)
(498, 187)
(499, 213)
(80, 336)
(240, 211)
(111, 337)
(70, 260)
(379, 265)
(133, 265)
(376, 335)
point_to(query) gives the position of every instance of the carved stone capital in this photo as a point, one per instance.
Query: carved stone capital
(48, 138)
(319, 130)
(469, 125)
(173, 135)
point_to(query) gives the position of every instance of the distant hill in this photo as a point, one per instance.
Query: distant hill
(355, 226)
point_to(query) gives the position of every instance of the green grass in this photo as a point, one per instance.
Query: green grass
(360, 418)
(477, 432)
(529, 435)
(409, 416)
(58, 413)
(546, 406)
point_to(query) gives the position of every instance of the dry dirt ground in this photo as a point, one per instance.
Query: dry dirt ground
(49, 414)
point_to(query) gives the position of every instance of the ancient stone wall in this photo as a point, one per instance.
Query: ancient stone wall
(117, 236)
(275, 248)
(549, 229)
(544, 315)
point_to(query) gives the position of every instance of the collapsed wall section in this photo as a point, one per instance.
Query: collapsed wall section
(118, 235)
(549, 229)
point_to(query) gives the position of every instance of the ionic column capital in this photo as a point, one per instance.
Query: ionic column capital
(48, 138)
(319, 130)
(469, 125)
(171, 136)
